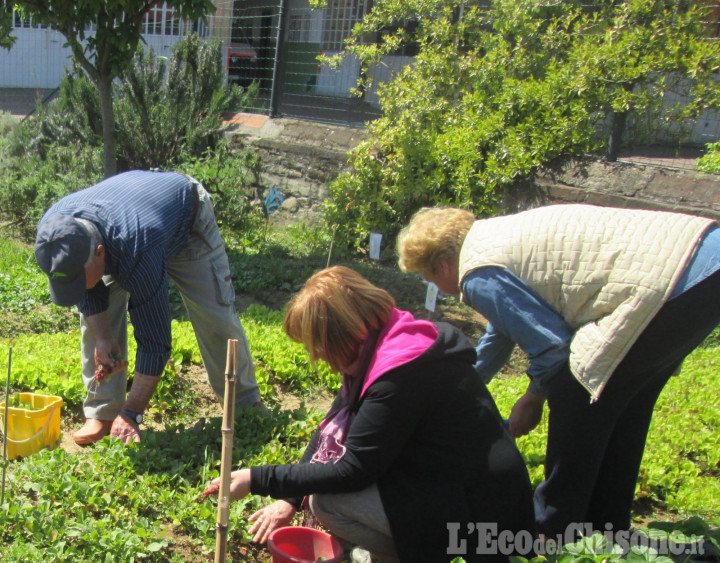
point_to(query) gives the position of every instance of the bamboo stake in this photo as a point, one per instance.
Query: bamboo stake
(5, 426)
(226, 460)
(332, 242)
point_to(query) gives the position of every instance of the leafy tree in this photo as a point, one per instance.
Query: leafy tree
(6, 39)
(168, 117)
(109, 49)
(499, 88)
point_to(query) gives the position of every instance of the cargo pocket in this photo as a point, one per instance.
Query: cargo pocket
(224, 290)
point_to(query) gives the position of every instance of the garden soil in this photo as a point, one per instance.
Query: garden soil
(409, 293)
(208, 406)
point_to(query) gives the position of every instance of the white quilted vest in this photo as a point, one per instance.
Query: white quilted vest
(606, 271)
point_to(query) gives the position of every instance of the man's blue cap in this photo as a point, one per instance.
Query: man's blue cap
(62, 248)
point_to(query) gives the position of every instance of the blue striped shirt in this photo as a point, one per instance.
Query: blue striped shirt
(144, 220)
(516, 314)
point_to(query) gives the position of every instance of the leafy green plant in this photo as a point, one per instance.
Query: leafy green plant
(710, 162)
(170, 116)
(71, 119)
(36, 174)
(284, 361)
(53, 365)
(168, 109)
(16, 401)
(140, 502)
(230, 176)
(24, 294)
(8, 123)
(499, 89)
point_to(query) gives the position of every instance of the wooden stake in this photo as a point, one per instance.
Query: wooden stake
(228, 426)
(5, 426)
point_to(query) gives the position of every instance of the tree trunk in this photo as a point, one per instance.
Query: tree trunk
(617, 128)
(108, 125)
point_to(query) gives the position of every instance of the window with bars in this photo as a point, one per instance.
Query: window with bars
(20, 22)
(162, 20)
(299, 23)
(340, 17)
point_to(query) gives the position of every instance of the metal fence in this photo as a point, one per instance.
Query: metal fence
(278, 45)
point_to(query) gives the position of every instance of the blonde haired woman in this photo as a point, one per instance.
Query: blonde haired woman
(606, 303)
(413, 453)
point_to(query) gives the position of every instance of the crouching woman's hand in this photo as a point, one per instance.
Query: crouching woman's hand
(239, 485)
(269, 518)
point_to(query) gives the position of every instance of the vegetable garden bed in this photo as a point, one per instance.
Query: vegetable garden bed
(108, 502)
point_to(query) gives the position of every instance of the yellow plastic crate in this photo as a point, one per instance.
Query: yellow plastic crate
(29, 431)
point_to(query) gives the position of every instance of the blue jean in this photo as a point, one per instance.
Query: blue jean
(201, 273)
(594, 450)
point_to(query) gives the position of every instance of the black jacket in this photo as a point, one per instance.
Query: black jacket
(429, 434)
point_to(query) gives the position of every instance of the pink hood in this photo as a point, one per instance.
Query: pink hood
(401, 340)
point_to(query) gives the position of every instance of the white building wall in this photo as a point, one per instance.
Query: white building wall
(39, 58)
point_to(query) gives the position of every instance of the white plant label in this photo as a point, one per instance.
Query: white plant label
(431, 296)
(375, 240)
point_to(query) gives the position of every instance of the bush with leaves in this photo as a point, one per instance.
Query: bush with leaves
(710, 162)
(168, 110)
(35, 175)
(500, 88)
(72, 119)
(169, 117)
(230, 175)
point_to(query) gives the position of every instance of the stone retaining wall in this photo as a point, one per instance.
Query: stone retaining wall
(302, 158)
(616, 184)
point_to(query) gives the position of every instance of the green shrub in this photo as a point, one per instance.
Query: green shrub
(35, 175)
(229, 175)
(8, 122)
(72, 119)
(168, 116)
(710, 162)
(49, 155)
(166, 110)
(25, 295)
(499, 89)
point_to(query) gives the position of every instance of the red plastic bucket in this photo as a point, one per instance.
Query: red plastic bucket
(296, 544)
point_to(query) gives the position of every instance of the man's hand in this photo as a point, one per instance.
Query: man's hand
(107, 350)
(125, 429)
(269, 518)
(106, 369)
(526, 414)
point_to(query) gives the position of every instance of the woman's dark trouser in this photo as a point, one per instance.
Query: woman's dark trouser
(594, 450)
